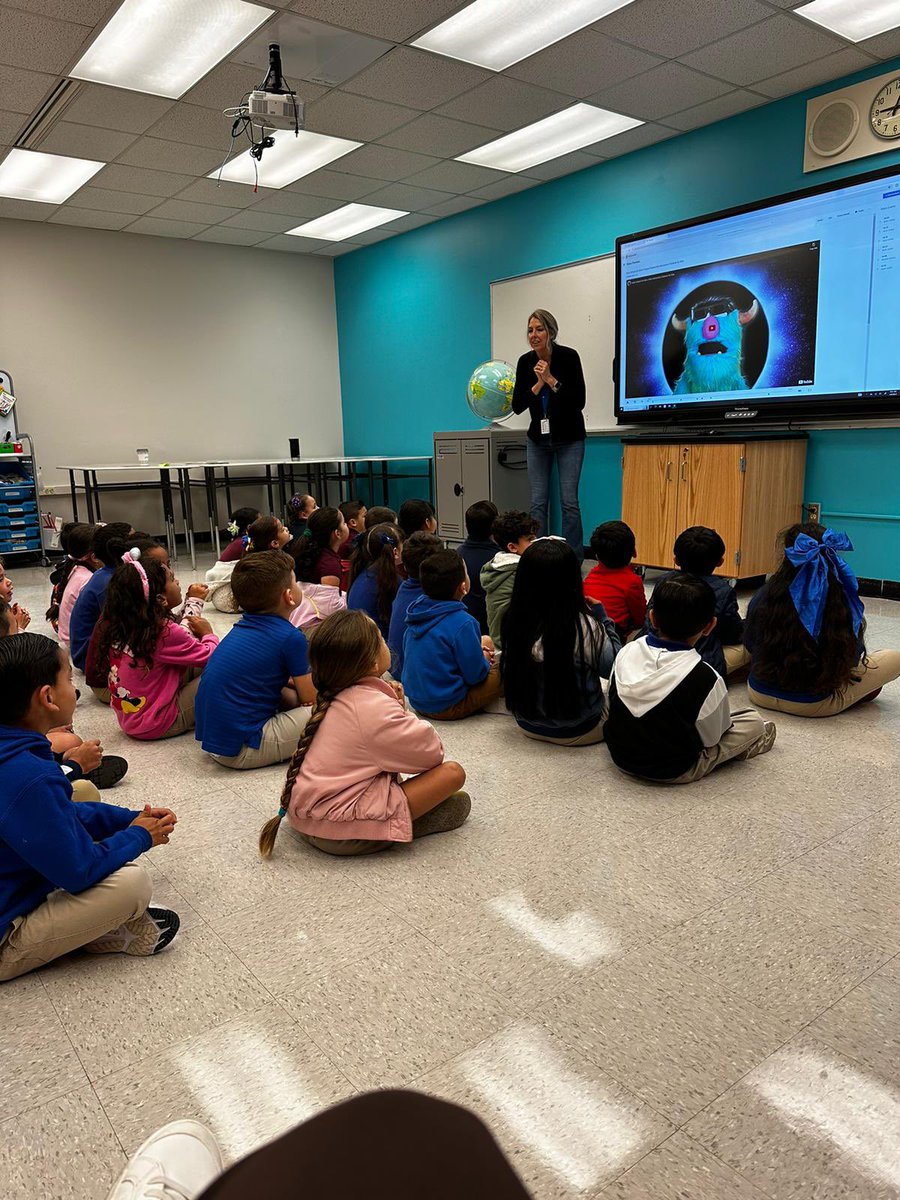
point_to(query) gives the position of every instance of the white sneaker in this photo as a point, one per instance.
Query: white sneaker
(177, 1162)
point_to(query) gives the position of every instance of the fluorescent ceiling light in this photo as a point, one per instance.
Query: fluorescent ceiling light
(497, 33)
(853, 19)
(580, 125)
(345, 222)
(292, 157)
(46, 178)
(164, 46)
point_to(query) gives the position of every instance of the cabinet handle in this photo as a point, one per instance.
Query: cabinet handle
(683, 472)
(668, 472)
(457, 489)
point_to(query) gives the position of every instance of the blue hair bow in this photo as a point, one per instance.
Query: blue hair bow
(809, 590)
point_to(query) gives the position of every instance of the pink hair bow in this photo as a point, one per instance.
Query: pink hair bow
(133, 558)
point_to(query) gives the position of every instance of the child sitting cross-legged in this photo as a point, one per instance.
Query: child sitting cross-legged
(476, 552)
(252, 703)
(343, 791)
(67, 875)
(218, 577)
(315, 551)
(77, 539)
(354, 514)
(612, 582)
(413, 553)
(154, 663)
(374, 574)
(416, 516)
(513, 532)
(669, 719)
(109, 544)
(448, 667)
(300, 508)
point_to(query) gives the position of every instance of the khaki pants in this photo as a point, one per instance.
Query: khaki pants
(591, 738)
(280, 736)
(186, 698)
(747, 727)
(83, 789)
(347, 846)
(479, 696)
(102, 695)
(65, 922)
(736, 657)
(884, 667)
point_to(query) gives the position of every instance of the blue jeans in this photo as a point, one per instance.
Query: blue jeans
(569, 459)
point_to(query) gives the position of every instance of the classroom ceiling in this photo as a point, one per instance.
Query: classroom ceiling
(675, 64)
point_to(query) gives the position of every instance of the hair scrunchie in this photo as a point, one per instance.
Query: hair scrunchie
(809, 589)
(282, 812)
(132, 558)
(232, 528)
(307, 532)
(387, 540)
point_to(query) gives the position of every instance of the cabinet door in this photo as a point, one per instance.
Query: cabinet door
(711, 492)
(448, 487)
(649, 500)
(476, 471)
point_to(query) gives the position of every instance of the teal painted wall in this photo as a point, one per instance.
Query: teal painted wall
(424, 298)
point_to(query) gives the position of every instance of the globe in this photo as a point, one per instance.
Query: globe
(490, 390)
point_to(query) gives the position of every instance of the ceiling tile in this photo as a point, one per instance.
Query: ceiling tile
(675, 27)
(85, 141)
(631, 139)
(457, 205)
(85, 12)
(115, 108)
(140, 181)
(183, 210)
(25, 210)
(411, 221)
(384, 162)
(509, 186)
(106, 200)
(157, 228)
(583, 63)
(35, 43)
(267, 222)
(455, 177)
(90, 219)
(408, 197)
(666, 89)
(764, 50)
(566, 164)
(11, 125)
(293, 245)
(506, 103)
(23, 91)
(398, 20)
(227, 84)
(412, 77)
(297, 205)
(336, 249)
(823, 70)
(431, 134)
(159, 155)
(230, 195)
(342, 115)
(885, 45)
(231, 237)
(370, 236)
(334, 185)
(197, 126)
(715, 110)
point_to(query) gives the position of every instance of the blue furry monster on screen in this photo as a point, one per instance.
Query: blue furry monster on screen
(713, 346)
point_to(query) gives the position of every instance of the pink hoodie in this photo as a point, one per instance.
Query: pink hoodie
(71, 592)
(348, 786)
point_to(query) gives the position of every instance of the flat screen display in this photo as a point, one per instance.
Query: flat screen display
(783, 309)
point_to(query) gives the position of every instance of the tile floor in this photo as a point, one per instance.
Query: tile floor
(646, 994)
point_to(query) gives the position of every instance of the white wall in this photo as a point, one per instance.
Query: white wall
(194, 350)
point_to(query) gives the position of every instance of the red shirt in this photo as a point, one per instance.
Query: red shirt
(621, 593)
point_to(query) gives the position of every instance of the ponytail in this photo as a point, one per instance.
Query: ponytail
(269, 831)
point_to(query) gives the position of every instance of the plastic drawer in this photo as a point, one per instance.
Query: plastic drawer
(29, 509)
(25, 544)
(10, 494)
(29, 521)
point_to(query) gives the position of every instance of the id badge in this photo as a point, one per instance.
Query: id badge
(545, 425)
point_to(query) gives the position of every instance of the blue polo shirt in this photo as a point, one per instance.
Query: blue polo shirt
(240, 688)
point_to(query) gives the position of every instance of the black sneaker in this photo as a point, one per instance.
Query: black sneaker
(112, 768)
(167, 922)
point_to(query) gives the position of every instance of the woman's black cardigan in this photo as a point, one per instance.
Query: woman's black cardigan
(566, 411)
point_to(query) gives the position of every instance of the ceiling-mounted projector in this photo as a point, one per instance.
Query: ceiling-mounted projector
(273, 104)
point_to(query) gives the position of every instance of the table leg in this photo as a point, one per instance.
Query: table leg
(384, 482)
(187, 512)
(227, 492)
(88, 498)
(269, 490)
(282, 489)
(96, 487)
(165, 486)
(74, 495)
(209, 474)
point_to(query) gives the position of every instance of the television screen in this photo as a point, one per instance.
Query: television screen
(780, 310)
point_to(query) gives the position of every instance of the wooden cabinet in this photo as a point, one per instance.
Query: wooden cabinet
(747, 490)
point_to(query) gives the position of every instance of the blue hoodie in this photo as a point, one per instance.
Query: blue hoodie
(442, 655)
(46, 840)
(409, 590)
(86, 613)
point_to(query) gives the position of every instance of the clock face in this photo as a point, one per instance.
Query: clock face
(884, 116)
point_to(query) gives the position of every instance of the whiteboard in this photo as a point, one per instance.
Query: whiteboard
(582, 297)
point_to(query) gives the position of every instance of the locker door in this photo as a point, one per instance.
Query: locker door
(448, 482)
(476, 472)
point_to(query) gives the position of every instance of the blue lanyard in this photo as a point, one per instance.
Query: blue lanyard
(545, 397)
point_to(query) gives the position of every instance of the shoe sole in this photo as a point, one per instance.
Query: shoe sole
(109, 773)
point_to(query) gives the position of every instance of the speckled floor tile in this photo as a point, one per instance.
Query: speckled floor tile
(865, 1024)
(680, 1169)
(248, 1080)
(38, 1061)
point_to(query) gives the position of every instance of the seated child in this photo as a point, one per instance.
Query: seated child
(698, 551)
(374, 577)
(379, 515)
(354, 513)
(805, 630)
(260, 533)
(241, 520)
(669, 719)
(319, 602)
(413, 553)
(448, 667)
(300, 509)
(76, 539)
(344, 793)
(513, 532)
(477, 550)
(18, 616)
(315, 552)
(67, 877)
(612, 582)
(416, 516)
(246, 715)
(154, 663)
(110, 543)
(555, 649)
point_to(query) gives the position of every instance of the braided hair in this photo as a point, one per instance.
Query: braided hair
(342, 650)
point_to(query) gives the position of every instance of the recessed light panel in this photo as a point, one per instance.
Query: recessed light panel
(292, 157)
(347, 221)
(497, 33)
(580, 125)
(853, 19)
(164, 46)
(45, 178)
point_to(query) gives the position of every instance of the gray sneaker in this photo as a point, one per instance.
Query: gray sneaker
(763, 744)
(449, 814)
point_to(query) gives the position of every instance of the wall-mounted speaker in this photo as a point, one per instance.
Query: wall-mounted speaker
(853, 122)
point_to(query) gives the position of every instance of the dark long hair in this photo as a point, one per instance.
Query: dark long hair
(261, 532)
(305, 550)
(376, 549)
(547, 605)
(131, 620)
(784, 653)
(77, 539)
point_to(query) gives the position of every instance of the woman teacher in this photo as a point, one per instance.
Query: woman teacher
(550, 384)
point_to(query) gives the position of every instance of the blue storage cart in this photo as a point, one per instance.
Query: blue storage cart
(20, 510)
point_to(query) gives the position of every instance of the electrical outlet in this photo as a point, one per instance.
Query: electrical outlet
(50, 490)
(814, 512)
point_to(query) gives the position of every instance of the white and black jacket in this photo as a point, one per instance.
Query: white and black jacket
(665, 706)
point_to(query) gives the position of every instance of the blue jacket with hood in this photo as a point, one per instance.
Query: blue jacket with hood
(442, 655)
(47, 841)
